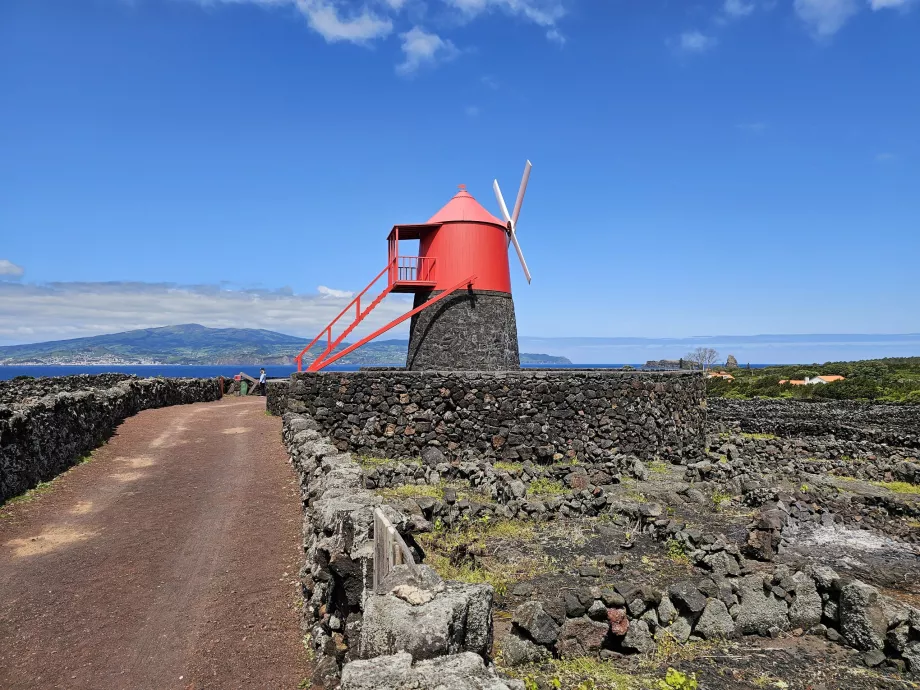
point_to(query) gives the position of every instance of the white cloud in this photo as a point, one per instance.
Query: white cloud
(472, 111)
(825, 17)
(545, 13)
(886, 4)
(556, 37)
(421, 48)
(10, 270)
(33, 313)
(332, 292)
(696, 42)
(490, 82)
(329, 19)
(737, 8)
(334, 20)
(884, 157)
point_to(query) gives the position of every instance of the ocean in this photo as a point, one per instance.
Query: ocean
(226, 370)
(201, 371)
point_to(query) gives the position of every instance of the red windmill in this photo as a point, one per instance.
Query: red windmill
(462, 266)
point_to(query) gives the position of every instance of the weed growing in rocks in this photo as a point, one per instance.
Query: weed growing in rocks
(899, 487)
(580, 673)
(546, 487)
(676, 680)
(435, 491)
(369, 463)
(469, 552)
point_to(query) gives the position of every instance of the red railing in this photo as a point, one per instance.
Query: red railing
(327, 331)
(410, 269)
(415, 269)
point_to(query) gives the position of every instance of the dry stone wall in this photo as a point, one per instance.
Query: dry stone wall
(537, 415)
(415, 626)
(894, 425)
(50, 424)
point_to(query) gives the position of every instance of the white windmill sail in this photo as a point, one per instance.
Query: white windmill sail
(512, 218)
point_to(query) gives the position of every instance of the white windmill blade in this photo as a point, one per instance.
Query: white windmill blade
(520, 196)
(520, 254)
(501, 201)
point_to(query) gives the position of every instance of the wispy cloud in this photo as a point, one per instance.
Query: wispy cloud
(490, 82)
(892, 4)
(737, 8)
(32, 313)
(472, 111)
(10, 270)
(335, 23)
(695, 42)
(545, 13)
(334, 20)
(333, 293)
(824, 18)
(423, 48)
(885, 157)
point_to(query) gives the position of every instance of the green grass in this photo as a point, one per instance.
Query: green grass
(435, 491)
(504, 466)
(40, 489)
(677, 552)
(369, 463)
(31, 494)
(899, 487)
(546, 487)
(482, 535)
(759, 437)
(658, 467)
(580, 673)
(717, 499)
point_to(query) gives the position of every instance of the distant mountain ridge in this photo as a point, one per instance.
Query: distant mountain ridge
(196, 344)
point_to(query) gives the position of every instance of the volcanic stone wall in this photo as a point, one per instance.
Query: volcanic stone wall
(472, 330)
(527, 415)
(40, 437)
(23, 388)
(895, 425)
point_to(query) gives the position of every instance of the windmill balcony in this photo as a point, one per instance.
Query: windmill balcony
(413, 273)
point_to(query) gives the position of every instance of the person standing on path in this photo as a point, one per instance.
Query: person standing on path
(261, 381)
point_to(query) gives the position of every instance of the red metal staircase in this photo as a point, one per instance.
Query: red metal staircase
(404, 274)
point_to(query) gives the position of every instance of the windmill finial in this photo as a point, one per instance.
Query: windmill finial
(461, 187)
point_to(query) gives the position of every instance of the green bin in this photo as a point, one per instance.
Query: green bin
(244, 387)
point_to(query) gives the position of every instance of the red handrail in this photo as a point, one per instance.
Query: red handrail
(408, 269)
(356, 302)
(395, 322)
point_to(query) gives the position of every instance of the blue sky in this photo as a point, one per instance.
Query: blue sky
(739, 167)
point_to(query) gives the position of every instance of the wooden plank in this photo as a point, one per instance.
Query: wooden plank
(390, 549)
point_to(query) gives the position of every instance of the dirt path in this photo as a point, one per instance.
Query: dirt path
(169, 560)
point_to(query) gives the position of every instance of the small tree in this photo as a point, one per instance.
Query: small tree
(702, 358)
(731, 362)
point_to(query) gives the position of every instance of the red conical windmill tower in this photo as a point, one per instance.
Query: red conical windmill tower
(463, 315)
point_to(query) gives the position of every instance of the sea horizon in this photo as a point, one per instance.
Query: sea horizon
(10, 371)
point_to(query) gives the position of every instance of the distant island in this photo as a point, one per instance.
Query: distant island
(194, 344)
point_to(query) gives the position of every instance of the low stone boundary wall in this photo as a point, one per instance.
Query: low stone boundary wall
(895, 425)
(40, 437)
(420, 627)
(538, 415)
(23, 388)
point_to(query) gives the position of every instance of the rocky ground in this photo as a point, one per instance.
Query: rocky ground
(788, 557)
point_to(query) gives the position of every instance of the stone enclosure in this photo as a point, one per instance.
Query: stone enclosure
(526, 415)
(48, 424)
(617, 535)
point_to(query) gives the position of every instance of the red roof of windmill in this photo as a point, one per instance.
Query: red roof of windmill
(463, 207)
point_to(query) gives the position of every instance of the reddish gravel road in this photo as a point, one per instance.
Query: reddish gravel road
(168, 561)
